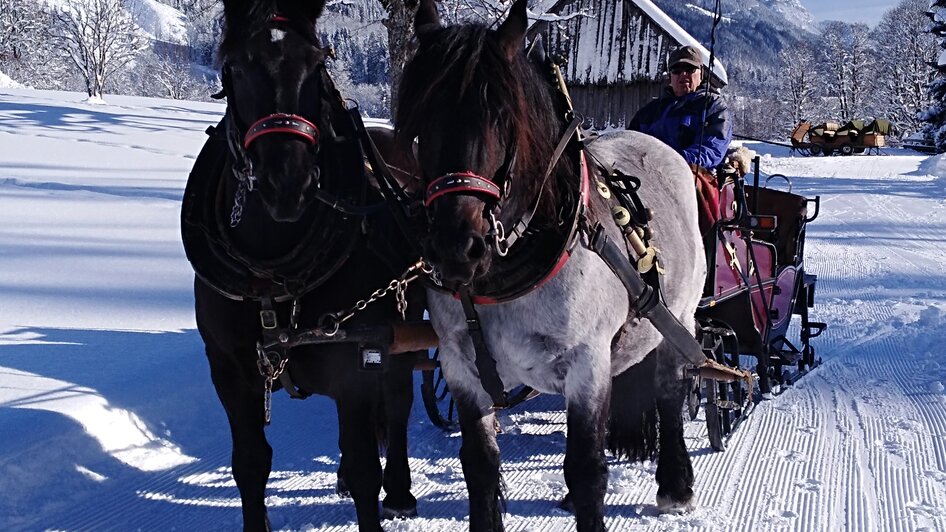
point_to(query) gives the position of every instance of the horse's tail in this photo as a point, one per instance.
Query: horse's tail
(632, 425)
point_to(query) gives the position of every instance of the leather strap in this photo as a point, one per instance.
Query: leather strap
(485, 363)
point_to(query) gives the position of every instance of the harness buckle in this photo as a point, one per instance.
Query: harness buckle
(267, 318)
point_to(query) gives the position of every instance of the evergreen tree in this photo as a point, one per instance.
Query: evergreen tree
(935, 116)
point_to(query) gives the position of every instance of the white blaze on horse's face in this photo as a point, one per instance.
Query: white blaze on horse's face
(277, 35)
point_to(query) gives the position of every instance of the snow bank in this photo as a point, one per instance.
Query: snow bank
(7, 83)
(935, 165)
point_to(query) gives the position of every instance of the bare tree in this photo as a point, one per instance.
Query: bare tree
(400, 26)
(400, 20)
(100, 39)
(169, 76)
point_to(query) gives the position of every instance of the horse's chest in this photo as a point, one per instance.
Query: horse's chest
(539, 338)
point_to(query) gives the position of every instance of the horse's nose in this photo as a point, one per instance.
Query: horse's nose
(459, 260)
(475, 249)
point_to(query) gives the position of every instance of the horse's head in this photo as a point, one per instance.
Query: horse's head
(276, 86)
(469, 96)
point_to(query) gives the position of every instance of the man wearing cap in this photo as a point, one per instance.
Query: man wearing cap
(691, 118)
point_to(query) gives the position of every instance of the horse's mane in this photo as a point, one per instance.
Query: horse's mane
(246, 18)
(512, 96)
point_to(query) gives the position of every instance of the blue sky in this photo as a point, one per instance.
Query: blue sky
(866, 11)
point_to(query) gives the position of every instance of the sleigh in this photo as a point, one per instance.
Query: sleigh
(756, 282)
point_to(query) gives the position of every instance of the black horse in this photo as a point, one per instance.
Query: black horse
(286, 236)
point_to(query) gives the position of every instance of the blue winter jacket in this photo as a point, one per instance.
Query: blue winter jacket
(677, 121)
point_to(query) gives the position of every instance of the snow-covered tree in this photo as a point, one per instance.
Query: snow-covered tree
(905, 52)
(99, 38)
(27, 54)
(846, 59)
(169, 76)
(935, 116)
(21, 25)
(798, 82)
(204, 27)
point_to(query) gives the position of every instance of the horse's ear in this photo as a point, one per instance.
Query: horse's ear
(313, 9)
(512, 32)
(537, 52)
(235, 11)
(426, 19)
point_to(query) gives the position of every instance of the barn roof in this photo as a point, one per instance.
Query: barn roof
(681, 36)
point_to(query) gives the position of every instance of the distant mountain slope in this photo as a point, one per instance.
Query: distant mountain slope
(751, 32)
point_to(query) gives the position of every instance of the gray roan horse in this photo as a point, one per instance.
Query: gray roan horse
(488, 120)
(286, 236)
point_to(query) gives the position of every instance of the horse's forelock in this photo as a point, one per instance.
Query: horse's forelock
(466, 61)
(253, 17)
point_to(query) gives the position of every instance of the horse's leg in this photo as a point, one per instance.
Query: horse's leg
(252, 456)
(479, 456)
(398, 398)
(587, 393)
(674, 469)
(360, 468)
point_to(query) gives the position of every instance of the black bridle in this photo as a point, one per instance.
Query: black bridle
(290, 124)
(471, 183)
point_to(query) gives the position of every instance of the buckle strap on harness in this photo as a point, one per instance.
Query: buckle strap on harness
(485, 363)
(273, 360)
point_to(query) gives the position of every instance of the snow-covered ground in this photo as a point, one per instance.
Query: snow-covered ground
(108, 420)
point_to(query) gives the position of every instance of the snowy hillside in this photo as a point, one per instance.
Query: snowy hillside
(109, 420)
(752, 31)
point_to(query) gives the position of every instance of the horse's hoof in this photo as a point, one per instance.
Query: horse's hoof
(669, 505)
(567, 503)
(341, 489)
(398, 513)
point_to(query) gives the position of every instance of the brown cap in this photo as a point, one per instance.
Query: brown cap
(689, 55)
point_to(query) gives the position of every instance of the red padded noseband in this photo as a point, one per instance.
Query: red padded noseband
(282, 123)
(460, 182)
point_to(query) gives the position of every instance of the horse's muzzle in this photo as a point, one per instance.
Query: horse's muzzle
(460, 260)
(286, 200)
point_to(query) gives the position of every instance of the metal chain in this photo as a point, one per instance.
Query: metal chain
(399, 286)
(236, 214)
(271, 365)
(270, 372)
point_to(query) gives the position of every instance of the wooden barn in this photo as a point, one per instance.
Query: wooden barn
(616, 52)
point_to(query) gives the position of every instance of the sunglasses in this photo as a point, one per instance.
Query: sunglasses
(681, 70)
